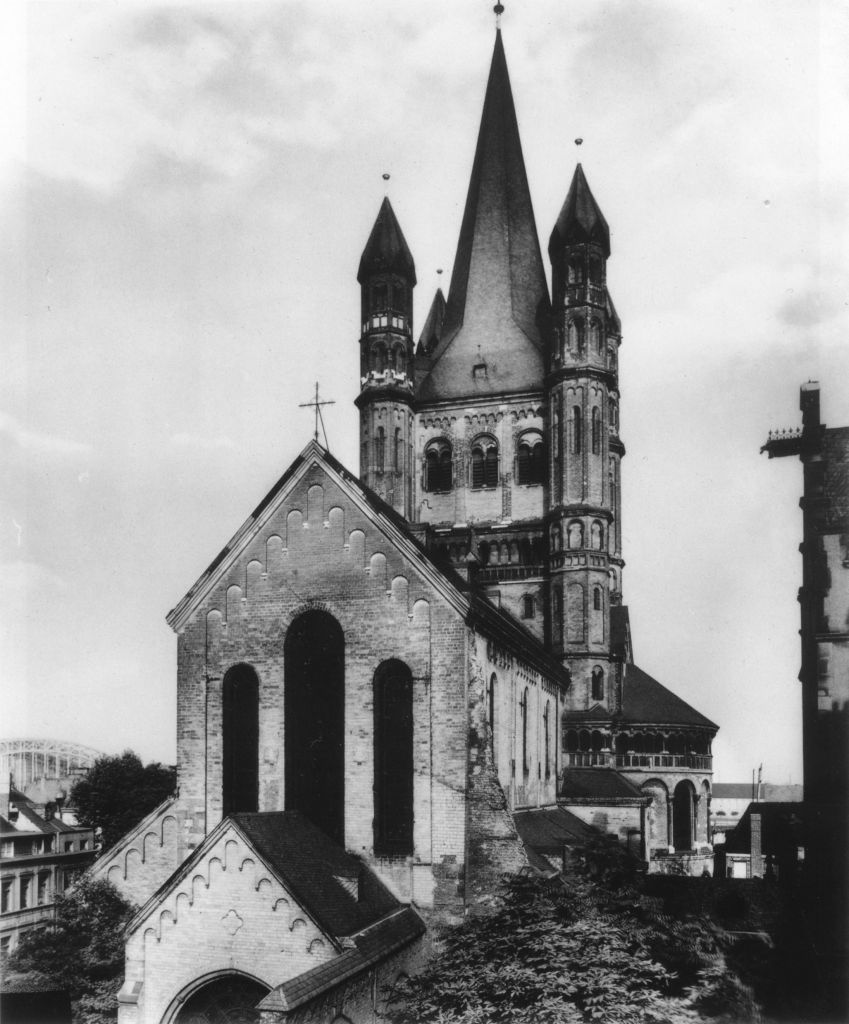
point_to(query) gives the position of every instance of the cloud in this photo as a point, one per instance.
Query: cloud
(198, 442)
(35, 443)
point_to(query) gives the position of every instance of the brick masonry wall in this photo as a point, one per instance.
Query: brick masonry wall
(321, 549)
(146, 857)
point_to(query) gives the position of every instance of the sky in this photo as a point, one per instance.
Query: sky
(185, 190)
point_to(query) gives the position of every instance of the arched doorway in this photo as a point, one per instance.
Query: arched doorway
(682, 816)
(231, 999)
(240, 740)
(393, 758)
(314, 706)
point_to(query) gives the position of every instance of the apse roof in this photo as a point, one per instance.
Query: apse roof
(645, 701)
(386, 248)
(498, 306)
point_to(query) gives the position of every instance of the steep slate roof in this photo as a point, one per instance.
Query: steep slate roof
(311, 864)
(432, 330)
(498, 301)
(386, 248)
(646, 702)
(588, 785)
(580, 219)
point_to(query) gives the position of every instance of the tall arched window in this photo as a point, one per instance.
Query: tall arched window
(240, 740)
(596, 414)
(314, 716)
(597, 684)
(546, 724)
(379, 450)
(597, 603)
(523, 706)
(531, 459)
(595, 336)
(393, 758)
(492, 692)
(438, 466)
(577, 429)
(528, 606)
(379, 358)
(576, 534)
(398, 451)
(576, 271)
(597, 535)
(399, 297)
(484, 462)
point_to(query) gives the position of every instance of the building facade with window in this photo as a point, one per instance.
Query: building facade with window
(40, 857)
(389, 682)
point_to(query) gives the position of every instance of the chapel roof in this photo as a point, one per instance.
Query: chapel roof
(585, 785)
(580, 219)
(386, 248)
(498, 307)
(337, 889)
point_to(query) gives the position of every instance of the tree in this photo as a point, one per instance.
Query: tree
(586, 947)
(81, 951)
(117, 792)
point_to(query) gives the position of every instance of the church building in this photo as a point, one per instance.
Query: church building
(397, 685)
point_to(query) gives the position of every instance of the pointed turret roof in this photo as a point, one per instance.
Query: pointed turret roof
(498, 305)
(432, 330)
(386, 248)
(580, 220)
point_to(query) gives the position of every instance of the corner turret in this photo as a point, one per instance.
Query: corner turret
(387, 276)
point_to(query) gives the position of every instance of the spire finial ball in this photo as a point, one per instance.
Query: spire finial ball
(386, 177)
(579, 142)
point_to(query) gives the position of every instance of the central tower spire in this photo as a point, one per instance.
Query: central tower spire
(497, 310)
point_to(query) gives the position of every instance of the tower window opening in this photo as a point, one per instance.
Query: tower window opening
(575, 271)
(595, 336)
(577, 429)
(531, 460)
(576, 534)
(438, 466)
(380, 450)
(597, 684)
(597, 535)
(399, 297)
(576, 336)
(400, 360)
(528, 606)
(597, 599)
(379, 358)
(484, 463)
(379, 297)
(595, 270)
(398, 451)
(596, 430)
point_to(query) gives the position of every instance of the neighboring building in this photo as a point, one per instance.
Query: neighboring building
(730, 800)
(392, 689)
(824, 675)
(39, 859)
(768, 841)
(45, 771)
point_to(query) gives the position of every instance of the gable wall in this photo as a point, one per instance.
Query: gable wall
(228, 913)
(319, 550)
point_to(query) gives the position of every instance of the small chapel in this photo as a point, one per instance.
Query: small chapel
(397, 685)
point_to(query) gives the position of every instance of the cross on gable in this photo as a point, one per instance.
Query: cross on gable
(316, 404)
